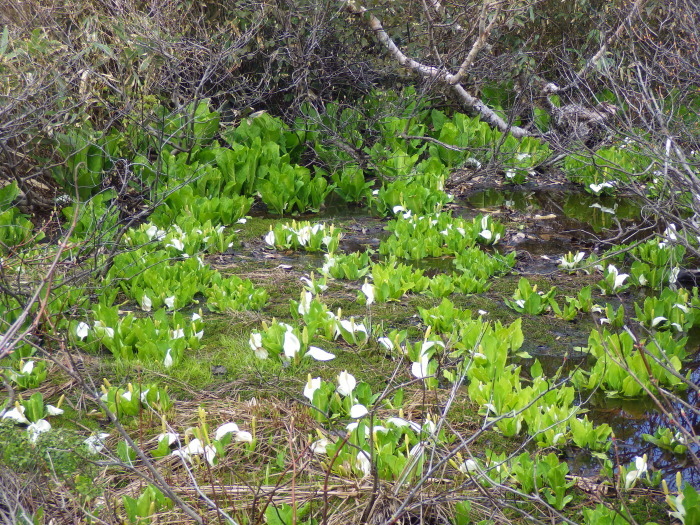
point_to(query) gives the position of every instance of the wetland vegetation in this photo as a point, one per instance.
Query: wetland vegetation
(257, 267)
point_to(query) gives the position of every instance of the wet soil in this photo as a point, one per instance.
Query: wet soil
(545, 219)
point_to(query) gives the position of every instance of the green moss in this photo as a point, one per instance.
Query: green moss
(55, 453)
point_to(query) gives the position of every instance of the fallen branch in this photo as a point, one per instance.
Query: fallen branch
(452, 80)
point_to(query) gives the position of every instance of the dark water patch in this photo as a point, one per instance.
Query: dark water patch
(433, 266)
(554, 361)
(333, 210)
(570, 210)
(629, 420)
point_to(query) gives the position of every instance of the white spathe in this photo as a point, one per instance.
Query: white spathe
(363, 462)
(311, 386)
(256, 345)
(319, 446)
(226, 428)
(53, 411)
(210, 454)
(291, 345)
(468, 466)
(318, 354)
(168, 361)
(243, 436)
(346, 383)
(146, 303)
(82, 330)
(95, 443)
(368, 290)
(171, 437)
(37, 428)
(357, 411)
(194, 447)
(305, 303)
(27, 368)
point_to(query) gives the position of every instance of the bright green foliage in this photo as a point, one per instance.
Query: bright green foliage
(434, 235)
(616, 352)
(672, 310)
(488, 344)
(496, 386)
(152, 281)
(418, 237)
(443, 317)
(586, 435)
(134, 399)
(442, 285)
(184, 202)
(424, 356)
(319, 320)
(602, 515)
(462, 513)
(351, 266)
(27, 374)
(291, 344)
(656, 263)
(613, 281)
(160, 338)
(615, 318)
(666, 439)
(554, 473)
(290, 189)
(332, 403)
(15, 227)
(463, 132)
(609, 167)
(528, 300)
(546, 475)
(395, 162)
(350, 184)
(524, 473)
(392, 280)
(352, 332)
(233, 294)
(94, 217)
(402, 196)
(264, 129)
(398, 449)
(685, 505)
(238, 169)
(481, 265)
(139, 511)
(34, 408)
(285, 514)
(185, 237)
(583, 302)
(312, 238)
(545, 409)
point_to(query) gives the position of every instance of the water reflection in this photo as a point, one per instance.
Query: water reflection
(589, 212)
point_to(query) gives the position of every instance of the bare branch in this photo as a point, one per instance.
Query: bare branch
(442, 75)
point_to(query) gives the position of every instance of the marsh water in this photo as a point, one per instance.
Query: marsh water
(543, 225)
(554, 223)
